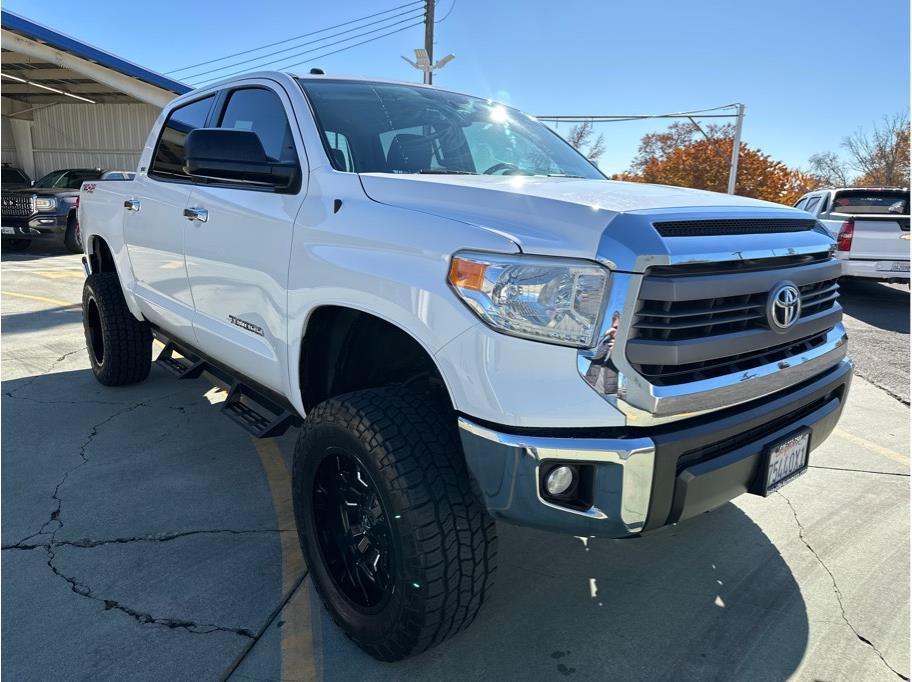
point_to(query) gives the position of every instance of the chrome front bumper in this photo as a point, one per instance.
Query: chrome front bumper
(648, 478)
(506, 468)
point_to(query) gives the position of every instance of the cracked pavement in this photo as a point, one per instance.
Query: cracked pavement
(144, 536)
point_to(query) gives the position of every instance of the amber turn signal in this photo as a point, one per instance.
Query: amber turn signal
(466, 274)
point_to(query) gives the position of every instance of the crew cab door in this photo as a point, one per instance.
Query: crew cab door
(154, 225)
(238, 244)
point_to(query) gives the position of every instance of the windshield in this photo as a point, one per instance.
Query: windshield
(67, 179)
(872, 201)
(13, 176)
(391, 128)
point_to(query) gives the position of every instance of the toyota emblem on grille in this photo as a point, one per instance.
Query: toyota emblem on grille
(783, 307)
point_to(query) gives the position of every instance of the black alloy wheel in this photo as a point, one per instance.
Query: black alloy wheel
(353, 531)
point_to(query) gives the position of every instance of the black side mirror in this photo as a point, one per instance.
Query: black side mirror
(234, 155)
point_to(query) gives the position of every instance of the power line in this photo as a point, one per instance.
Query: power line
(320, 56)
(449, 12)
(312, 42)
(613, 118)
(293, 38)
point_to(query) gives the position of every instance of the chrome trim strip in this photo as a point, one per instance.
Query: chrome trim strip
(670, 403)
(636, 456)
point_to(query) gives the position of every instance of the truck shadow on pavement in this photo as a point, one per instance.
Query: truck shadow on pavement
(711, 598)
(876, 304)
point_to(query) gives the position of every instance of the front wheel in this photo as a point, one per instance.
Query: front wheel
(71, 238)
(397, 541)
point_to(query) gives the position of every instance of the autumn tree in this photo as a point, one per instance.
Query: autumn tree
(580, 137)
(685, 156)
(830, 170)
(881, 157)
(876, 158)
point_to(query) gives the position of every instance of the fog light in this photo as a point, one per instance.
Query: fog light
(559, 480)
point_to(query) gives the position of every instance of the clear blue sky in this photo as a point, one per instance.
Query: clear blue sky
(809, 71)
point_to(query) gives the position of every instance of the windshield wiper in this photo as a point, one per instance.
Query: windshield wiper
(564, 175)
(445, 171)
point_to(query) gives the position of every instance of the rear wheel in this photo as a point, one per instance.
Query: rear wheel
(71, 237)
(119, 345)
(397, 541)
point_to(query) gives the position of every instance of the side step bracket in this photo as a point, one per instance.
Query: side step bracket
(261, 417)
(262, 413)
(182, 367)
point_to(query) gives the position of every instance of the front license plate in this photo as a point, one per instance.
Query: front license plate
(786, 460)
(8, 230)
(893, 266)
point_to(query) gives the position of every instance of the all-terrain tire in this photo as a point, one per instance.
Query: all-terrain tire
(71, 236)
(444, 543)
(119, 345)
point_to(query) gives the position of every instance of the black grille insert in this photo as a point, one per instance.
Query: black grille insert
(16, 205)
(685, 320)
(671, 375)
(708, 228)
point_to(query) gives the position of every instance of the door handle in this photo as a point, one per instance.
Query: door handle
(200, 214)
(132, 204)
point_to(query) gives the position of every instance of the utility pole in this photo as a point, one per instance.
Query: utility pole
(429, 38)
(736, 150)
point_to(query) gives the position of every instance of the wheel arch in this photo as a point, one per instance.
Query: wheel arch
(344, 348)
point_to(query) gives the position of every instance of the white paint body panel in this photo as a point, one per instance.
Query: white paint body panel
(272, 260)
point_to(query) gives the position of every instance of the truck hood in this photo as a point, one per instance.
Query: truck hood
(47, 191)
(551, 216)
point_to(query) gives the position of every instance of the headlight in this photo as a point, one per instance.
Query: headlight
(557, 300)
(45, 203)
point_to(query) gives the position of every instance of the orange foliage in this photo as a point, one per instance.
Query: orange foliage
(683, 157)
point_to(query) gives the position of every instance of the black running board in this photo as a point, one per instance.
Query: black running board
(259, 411)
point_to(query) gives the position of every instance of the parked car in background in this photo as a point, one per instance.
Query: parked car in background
(474, 321)
(870, 226)
(14, 178)
(45, 210)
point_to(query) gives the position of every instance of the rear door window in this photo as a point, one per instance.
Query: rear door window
(168, 162)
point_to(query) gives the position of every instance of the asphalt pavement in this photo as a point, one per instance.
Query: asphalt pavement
(147, 537)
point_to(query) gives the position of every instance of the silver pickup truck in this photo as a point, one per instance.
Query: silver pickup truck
(870, 226)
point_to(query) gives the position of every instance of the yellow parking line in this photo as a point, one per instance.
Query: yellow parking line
(60, 274)
(298, 661)
(43, 299)
(872, 447)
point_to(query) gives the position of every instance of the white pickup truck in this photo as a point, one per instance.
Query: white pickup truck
(871, 228)
(467, 321)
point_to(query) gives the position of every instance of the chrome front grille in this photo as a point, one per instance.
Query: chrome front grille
(679, 334)
(17, 205)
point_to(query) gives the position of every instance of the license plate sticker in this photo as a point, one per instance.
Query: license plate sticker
(786, 460)
(7, 230)
(893, 266)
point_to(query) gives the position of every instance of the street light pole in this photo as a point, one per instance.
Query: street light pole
(736, 150)
(429, 38)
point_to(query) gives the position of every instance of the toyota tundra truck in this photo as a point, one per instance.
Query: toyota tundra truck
(466, 322)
